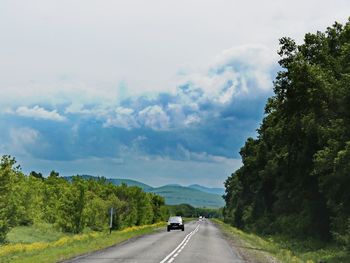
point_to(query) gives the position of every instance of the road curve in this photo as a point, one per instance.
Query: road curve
(201, 242)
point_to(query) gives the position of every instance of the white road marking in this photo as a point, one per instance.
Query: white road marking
(171, 257)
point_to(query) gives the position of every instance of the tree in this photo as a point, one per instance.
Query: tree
(157, 203)
(36, 175)
(71, 204)
(7, 174)
(71, 207)
(294, 178)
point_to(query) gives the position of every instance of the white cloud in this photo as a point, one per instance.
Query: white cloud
(241, 70)
(253, 61)
(254, 55)
(77, 108)
(154, 117)
(122, 118)
(63, 52)
(39, 113)
(98, 111)
(77, 53)
(245, 70)
(192, 119)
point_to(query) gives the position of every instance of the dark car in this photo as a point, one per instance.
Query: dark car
(175, 222)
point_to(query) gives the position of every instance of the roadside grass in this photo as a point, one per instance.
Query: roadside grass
(50, 250)
(266, 248)
(34, 233)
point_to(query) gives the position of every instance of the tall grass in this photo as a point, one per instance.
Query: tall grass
(35, 233)
(285, 250)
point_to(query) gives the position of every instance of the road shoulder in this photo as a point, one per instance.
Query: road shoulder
(246, 250)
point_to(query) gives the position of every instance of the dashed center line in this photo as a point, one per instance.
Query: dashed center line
(171, 257)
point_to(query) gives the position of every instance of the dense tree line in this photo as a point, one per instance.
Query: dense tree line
(187, 210)
(71, 205)
(295, 177)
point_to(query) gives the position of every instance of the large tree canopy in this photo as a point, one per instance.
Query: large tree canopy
(295, 177)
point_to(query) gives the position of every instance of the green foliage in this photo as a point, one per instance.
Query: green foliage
(6, 186)
(71, 205)
(295, 175)
(96, 212)
(187, 210)
(157, 205)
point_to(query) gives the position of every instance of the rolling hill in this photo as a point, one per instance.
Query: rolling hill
(174, 194)
(217, 191)
(116, 181)
(130, 182)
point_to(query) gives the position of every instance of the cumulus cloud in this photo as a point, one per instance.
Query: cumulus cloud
(99, 60)
(114, 90)
(200, 94)
(38, 112)
(209, 114)
(154, 117)
(235, 73)
(192, 119)
(122, 118)
(254, 61)
(201, 123)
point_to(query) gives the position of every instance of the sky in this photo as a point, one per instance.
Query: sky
(157, 91)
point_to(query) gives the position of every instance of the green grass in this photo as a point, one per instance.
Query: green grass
(31, 234)
(285, 250)
(47, 249)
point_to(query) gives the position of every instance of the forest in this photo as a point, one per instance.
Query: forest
(189, 211)
(295, 177)
(71, 205)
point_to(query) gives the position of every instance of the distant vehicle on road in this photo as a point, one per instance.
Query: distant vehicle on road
(200, 218)
(175, 222)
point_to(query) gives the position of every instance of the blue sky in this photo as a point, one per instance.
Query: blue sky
(163, 92)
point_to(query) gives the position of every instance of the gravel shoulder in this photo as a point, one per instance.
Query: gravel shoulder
(246, 250)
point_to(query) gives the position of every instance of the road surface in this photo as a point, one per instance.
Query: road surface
(201, 242)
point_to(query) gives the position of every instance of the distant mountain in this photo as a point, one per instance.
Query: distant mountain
(129, 182)
(117, 181)
(173, 185)
(174, 194)
(218, 191)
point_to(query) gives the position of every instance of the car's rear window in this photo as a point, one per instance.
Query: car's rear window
(175, 219)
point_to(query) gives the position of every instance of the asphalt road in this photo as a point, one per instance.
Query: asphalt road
(201, 242)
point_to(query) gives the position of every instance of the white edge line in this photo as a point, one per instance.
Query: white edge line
(173, 252)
